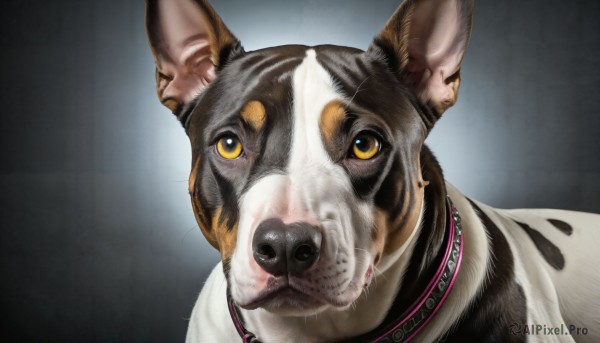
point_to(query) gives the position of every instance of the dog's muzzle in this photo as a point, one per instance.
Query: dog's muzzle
(286, 249)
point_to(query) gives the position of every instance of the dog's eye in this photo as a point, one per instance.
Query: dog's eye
(365, 146)
(229, 147)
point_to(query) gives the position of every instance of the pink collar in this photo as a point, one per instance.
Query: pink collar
(414, 319)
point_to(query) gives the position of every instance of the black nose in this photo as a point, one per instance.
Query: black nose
(282, 249)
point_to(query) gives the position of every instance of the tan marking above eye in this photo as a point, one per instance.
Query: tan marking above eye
(254, 114)
(331, 118)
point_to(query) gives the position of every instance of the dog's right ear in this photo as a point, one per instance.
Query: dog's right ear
(425, 41)
(190, 44)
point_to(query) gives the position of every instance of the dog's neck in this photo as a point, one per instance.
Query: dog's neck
(399, 282)
(427, 253)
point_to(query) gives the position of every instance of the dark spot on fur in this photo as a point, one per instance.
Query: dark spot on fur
(500, 301)
(562, 226)
(551, 252)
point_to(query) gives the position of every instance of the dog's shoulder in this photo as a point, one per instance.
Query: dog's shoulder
(566, 245)
(210, 320)
(548, 251)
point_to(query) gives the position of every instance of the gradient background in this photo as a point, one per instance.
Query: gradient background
(98, 241)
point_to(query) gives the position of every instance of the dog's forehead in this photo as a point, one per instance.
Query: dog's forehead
(267, 75)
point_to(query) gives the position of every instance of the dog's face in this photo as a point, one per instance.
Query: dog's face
(305, 167)
(299, 143)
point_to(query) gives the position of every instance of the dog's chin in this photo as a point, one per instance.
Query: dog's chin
(292, 296)
(293, 302)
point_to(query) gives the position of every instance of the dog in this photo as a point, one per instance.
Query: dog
(332, 218)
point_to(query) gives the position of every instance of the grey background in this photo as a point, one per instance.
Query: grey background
(98, 241)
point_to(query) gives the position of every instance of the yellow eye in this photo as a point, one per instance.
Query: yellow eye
(229, 147)
(365, 147)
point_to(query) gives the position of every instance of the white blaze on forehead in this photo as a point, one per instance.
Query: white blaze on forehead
(313, 187)
(313, 90)
(322, 186)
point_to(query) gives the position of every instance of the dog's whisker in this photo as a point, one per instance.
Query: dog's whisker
(357, 90)
(380, 273)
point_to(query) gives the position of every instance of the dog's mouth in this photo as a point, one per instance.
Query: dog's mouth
(295, 296)
(284, 297)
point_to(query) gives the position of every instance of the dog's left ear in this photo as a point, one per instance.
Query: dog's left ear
(190, 44)
(425, 41)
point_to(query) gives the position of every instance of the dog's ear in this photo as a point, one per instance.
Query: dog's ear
(424, 41)
(190, 44)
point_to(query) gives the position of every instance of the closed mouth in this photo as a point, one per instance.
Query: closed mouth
(283, 295)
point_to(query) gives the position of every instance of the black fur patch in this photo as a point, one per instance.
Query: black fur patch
(562, 226)
(501, 301)
(551, 252)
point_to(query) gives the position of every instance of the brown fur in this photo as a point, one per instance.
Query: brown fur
(201, 218)
(332, 117)
(389, 235)
(226, 237)
(214, 229)
(254, 114)
(220, 36)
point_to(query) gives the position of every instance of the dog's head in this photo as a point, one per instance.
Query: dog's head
(305, 169)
